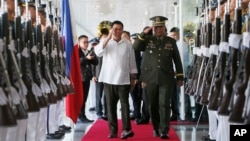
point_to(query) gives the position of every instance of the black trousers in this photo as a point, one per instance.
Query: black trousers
(145, 112)
(175, 101)
(159, 104)
(85, 85)
(136, 95)
(114, 93)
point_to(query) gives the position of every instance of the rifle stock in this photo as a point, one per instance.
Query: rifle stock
(216, 89)
(231, 67)
(236, 114)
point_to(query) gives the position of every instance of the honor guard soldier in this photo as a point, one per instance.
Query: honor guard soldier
(160, 52)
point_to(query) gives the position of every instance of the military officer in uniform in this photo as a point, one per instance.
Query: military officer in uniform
(160, 55)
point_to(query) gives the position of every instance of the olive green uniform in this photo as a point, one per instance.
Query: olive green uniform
(160, 56)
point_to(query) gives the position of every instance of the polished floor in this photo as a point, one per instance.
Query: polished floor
(192, 132)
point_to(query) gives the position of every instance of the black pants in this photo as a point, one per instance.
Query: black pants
(175, 102)
(145, 112)
(114, 93)
(85, 85)
(136, 95)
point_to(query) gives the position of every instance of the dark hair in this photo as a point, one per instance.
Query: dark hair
(175, 29)
(82, 36)
(126, 32)
(117, 22)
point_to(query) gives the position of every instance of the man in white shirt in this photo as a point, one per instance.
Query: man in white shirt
(118, 73)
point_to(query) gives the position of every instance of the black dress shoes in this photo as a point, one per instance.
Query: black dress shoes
(127, 133)
(141, 121)
(156, 133)
(92, 109)
(206, 138)
(104, 118)
(164, 136)
(112, 135)
(173, 118)
(85, 120)
(65, 128)
(54, 136)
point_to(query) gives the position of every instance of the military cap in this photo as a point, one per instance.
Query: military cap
(188, 34)
(94, 41)
(223, 1)
(41, 7)
(133, 36)
(23, 2)
(213, 4)
(158, 20)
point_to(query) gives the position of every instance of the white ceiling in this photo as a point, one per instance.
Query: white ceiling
(134, 14)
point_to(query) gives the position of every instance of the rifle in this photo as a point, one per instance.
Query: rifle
(197, 63)
(26, 66)
(205, 51)
(55, 67)
(218, 79)
(208, 60)
(188, 88)
(232, 67)
(237, 107)
(16, 79)
(13, 107)
(52, 96)
(212, 60)
(7, 110)
(246, 111)
(70, 89)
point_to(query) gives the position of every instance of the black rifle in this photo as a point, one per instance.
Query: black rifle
(196, 60)
(207, 38)
(8, 112)
(55, 68)
(216, 89)
(197, 63)
(26, 66)
(70, 89)
(232, 65)
(246, 111)
(212, 60)
(9, 118)
(205, 82)
(237, 107)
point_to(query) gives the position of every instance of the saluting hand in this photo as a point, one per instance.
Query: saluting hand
(108, 38)
(147, 30)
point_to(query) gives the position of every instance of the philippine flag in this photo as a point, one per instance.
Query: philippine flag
(73, 101)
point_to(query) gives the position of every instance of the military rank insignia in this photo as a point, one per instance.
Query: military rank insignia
(151, 44)
(168, 46)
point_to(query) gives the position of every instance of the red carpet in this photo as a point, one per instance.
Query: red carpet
(99, 132)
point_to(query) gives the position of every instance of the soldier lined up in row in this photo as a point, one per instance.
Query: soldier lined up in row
(220, 79)
(33, 83)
